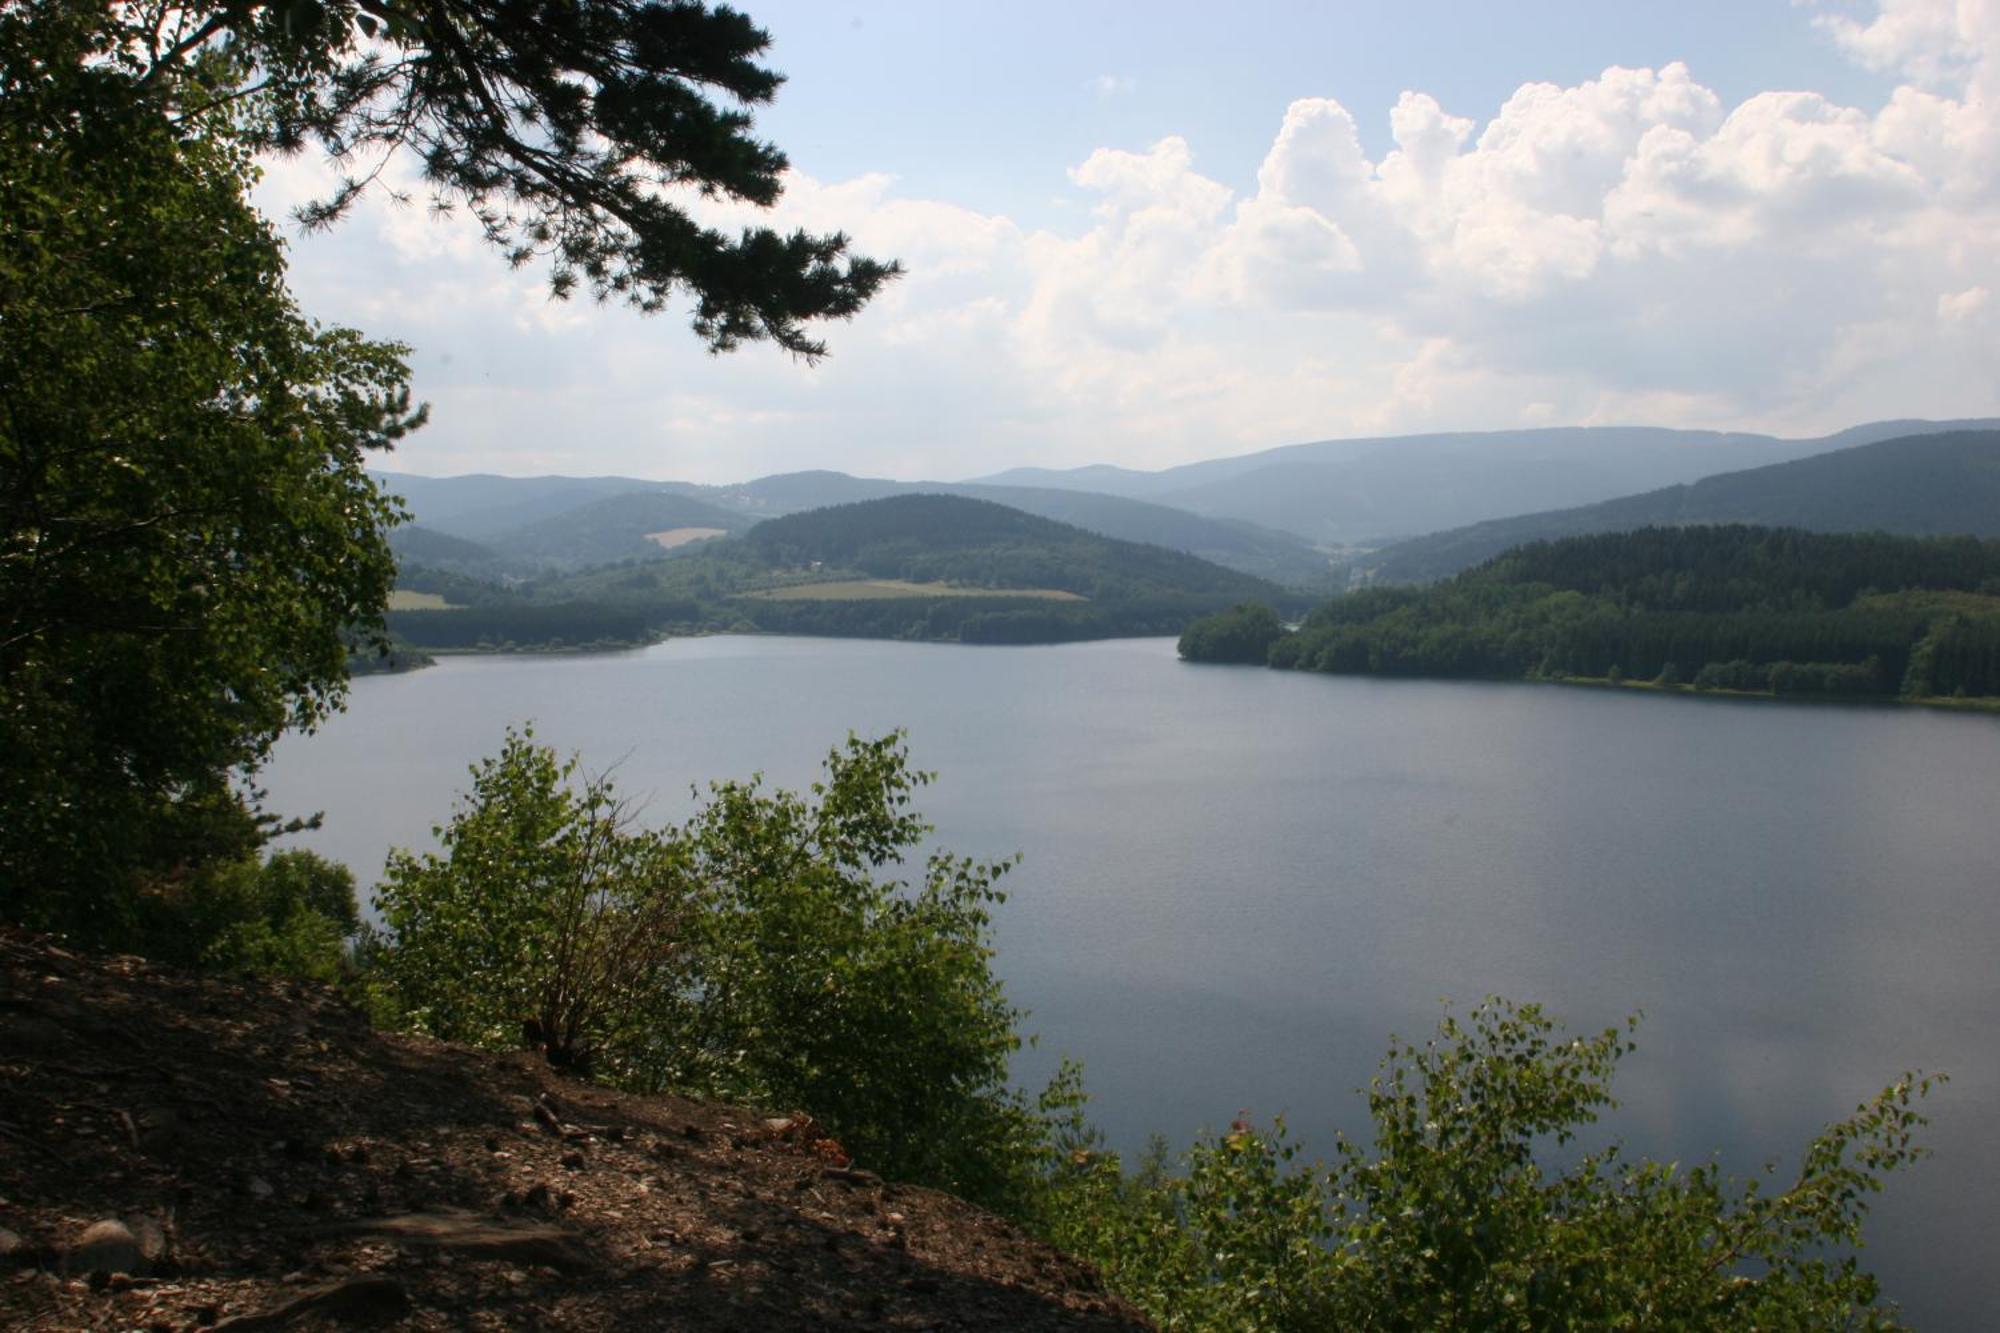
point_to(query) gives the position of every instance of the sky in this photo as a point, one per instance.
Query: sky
(1145, 234)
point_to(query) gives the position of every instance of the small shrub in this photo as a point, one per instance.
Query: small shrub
(1452, 1219)
(764, 952)
(548, 920)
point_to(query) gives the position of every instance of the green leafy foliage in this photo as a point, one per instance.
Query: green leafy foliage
(292, 915)
(547, 919)
(186, 529)
(758, 952)
(1473, 1208)
(189, 545)
(866, 1000)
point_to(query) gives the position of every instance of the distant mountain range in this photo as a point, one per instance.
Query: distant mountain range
(483, 508)
(904, 566)
(1277, 514)
(517, 524)
(1919, 485)
(1367, 491)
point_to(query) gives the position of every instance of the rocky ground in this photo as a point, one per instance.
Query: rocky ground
(181, 1152)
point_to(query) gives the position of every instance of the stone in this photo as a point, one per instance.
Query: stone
(475, 1237)
(152, 1240)
(105, 1246)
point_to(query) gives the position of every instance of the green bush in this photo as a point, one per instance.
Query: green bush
(291, 915)
(1454, 1220)
(763, 952)
(826, 984)
(549, 920)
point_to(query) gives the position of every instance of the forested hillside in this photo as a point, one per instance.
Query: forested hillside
(914, 566)
(952, 539)
(1921, 485)
(1281, 557)
(523, 522)
(1760, 610)
(635, 525)
(417, 545)
(480, 507)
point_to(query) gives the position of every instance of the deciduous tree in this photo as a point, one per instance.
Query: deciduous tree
(186, 526)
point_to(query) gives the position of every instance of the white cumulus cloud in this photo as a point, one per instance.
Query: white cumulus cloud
(1629, 248)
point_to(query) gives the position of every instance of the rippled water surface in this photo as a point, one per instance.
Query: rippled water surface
(1238, 882)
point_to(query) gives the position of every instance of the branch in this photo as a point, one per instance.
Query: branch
(216, 24)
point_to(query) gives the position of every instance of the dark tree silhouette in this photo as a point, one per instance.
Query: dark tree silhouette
(573, 131)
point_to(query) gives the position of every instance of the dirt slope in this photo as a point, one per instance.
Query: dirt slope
(179, 1152)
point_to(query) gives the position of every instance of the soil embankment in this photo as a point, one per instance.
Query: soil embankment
(184, 1152)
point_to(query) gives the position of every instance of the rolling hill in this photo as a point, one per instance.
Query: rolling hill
(480, 507)
(1365, 491)
(1919, 485)
(633, 525)
(904, 566)
(569, 521)
(416, 544)
(955, 539)
(1281, 557)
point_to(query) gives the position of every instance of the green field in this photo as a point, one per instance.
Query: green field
(882, 590)
(402, 599)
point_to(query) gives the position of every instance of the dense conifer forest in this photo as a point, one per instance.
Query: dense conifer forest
(1764, 610)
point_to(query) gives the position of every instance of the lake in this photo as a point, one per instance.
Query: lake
(1237, 883)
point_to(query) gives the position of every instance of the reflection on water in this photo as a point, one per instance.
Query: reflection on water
(1238, 882)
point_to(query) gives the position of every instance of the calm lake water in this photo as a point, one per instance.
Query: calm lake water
(1239, 882)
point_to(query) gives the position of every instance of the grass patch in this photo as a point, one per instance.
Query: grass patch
(677, 537)
(882, 590)
(403, 599)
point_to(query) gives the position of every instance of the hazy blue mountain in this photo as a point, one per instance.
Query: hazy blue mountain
(1256, 513)
(544, 519)
(1233, 544)
(791, 492)
(1282, 557)
(1366, 490)
(1100, 477)
(1919, 485)
(920, 566)
(616, 527)
(479, 507)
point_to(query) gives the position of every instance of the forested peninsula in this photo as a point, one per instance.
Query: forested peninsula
(1744, 609)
